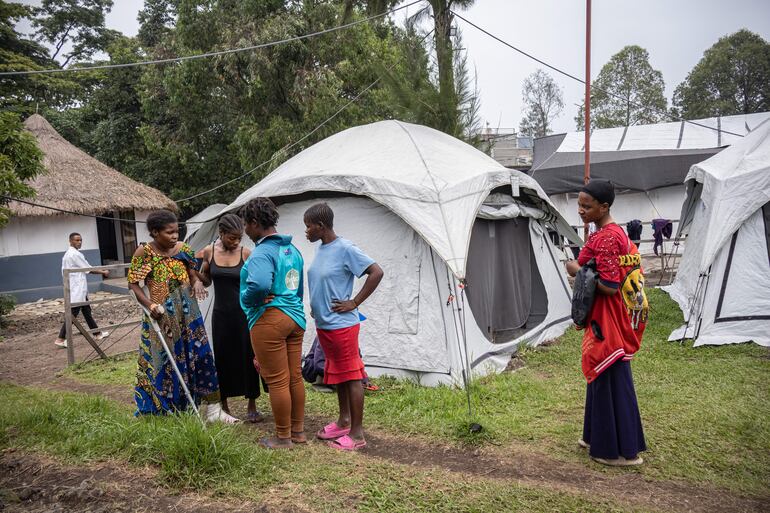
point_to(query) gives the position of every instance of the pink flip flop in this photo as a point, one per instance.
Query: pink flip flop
(345, 443)
(332, 431)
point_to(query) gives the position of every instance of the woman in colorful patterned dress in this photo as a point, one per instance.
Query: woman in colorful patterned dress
(166, 266)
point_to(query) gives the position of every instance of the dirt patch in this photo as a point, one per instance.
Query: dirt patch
(516, 362)
(31, 359)
(32, 484)
(532, 469)
(522, 465)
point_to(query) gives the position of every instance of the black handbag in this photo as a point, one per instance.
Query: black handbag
(584, 292)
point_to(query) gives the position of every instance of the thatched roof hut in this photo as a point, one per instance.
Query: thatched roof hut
(77, 182)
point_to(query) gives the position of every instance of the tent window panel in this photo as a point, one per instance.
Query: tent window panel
(504, 287)
(405, 313)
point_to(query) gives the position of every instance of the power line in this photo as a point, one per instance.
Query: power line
(65, 211)
(282, 150)
(573, 77)
(295, 143)
(209, 54)
(228, 182)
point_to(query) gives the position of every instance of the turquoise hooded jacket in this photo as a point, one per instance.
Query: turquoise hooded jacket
(275, 267)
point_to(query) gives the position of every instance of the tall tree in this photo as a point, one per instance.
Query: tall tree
(733, 77)
(28, 93)
(208, 121)
(440, 11)
(20, 161)
(628, 91)
(370, 7)
(451, 108)
(74, 28)
(543, 102)
(155, 21)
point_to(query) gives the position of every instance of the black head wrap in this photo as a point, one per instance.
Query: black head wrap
(601, 190)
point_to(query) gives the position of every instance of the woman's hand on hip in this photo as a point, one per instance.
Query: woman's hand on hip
(344, 306)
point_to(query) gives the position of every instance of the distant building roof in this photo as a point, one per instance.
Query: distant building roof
(640, 157)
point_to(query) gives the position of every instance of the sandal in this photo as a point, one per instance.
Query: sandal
(619, 462)
(255, 416)
(345, 443)
(298, 437)
(332, 431)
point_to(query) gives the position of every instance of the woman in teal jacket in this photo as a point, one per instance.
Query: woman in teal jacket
(275, 268)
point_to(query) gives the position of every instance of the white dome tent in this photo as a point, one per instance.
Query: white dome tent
(723, 283)
(470, 271)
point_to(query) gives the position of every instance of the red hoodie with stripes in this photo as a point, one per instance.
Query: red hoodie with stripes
(616, 323)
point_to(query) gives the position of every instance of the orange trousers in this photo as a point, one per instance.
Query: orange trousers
(277, 343)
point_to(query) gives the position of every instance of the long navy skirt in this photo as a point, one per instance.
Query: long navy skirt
(612, 425)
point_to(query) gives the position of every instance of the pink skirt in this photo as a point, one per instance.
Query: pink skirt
(343, 359)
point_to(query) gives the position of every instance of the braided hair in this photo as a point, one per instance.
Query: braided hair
(230, 223)
(320, 213)
(261, 211)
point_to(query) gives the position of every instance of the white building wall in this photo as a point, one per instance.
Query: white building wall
(45, 234)
(142, 233)
(663, 203)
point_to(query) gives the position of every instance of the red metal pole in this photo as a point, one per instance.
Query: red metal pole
(587, 124)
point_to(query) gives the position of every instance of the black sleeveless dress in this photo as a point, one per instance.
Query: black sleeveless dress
(233, 355)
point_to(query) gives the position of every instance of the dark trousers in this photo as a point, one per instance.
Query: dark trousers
(612, 425)
(86, 309)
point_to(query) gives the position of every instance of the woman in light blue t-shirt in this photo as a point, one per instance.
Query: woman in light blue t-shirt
(337, 264)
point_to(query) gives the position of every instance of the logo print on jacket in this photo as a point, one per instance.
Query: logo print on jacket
(292, 279)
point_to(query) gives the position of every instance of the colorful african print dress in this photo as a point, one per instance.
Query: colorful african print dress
(157, 389)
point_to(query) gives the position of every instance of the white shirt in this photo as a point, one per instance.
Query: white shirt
(74, 259)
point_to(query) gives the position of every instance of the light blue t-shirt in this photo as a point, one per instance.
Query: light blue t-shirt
(330, 277)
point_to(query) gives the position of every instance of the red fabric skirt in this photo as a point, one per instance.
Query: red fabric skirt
(343, 359)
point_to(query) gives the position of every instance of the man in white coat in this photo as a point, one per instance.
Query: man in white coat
(72, 259)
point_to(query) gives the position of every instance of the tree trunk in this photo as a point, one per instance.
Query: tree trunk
(445, 59)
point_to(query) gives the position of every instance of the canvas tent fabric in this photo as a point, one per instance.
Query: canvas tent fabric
(436, 183)
(196, 221)
(425, 206)
(723, 283)
(636, 158)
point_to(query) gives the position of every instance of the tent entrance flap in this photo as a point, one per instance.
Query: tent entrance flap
(504, 287)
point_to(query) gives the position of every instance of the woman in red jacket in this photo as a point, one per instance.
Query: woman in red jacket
(612, 427)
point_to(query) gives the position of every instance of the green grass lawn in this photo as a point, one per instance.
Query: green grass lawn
(225, 461)
(706, 410)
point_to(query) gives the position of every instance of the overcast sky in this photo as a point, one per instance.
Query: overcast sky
(675, 32)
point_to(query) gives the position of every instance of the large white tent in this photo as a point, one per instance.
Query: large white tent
(723, 283)
(470, 272)
(647, 164)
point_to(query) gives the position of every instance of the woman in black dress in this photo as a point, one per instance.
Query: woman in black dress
(233, 355)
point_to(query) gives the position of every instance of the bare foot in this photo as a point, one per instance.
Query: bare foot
(276, 443)
(298, 437)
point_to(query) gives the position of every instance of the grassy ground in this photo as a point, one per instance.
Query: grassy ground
(224, 461)
(705, 410)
